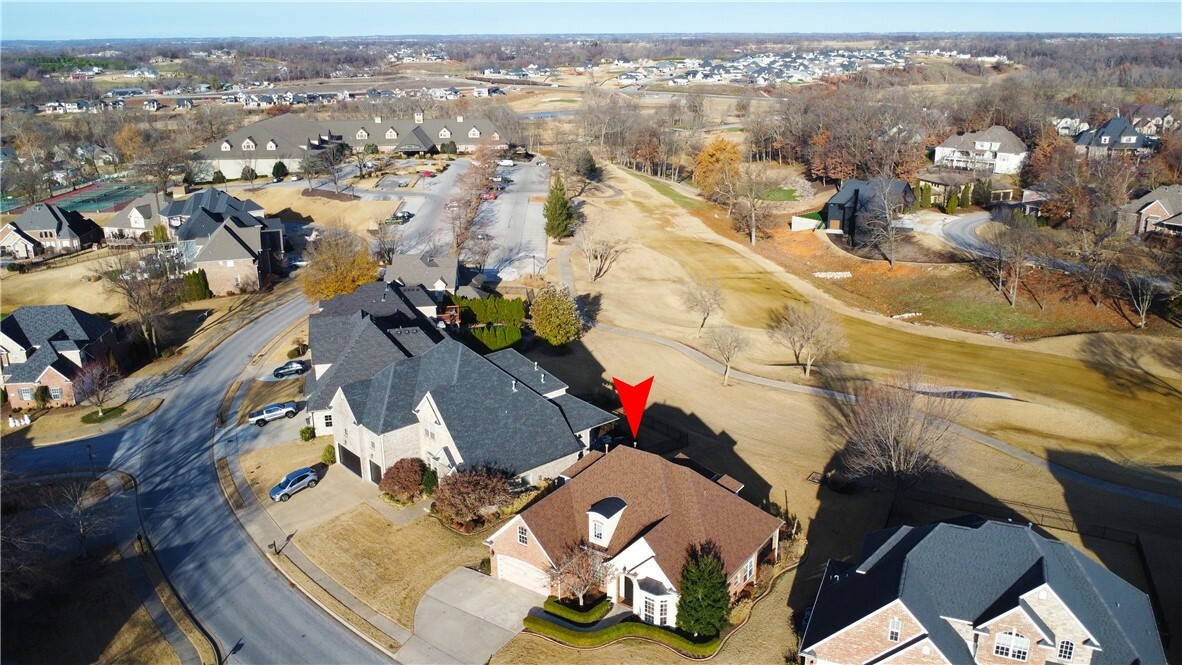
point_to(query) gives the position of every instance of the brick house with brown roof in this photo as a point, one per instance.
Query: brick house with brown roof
(642, 512)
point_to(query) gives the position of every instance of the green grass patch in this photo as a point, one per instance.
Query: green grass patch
(813, 215)
(780, 194)
(733, 129)
(618, 631)
(586, 617)
(563, 101)
(93, 418)
(664, 189)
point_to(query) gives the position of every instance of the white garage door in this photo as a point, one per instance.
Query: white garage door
(523, 574)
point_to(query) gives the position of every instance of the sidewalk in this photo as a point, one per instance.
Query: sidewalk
(267, 536)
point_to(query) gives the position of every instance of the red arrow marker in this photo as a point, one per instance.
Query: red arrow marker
(634, 398)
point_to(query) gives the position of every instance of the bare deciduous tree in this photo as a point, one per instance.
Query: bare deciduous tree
(389, 239)
(895, 429)
(96, 383)
(1011, 248)
(467, 495)
(81, 505)
(881, 214)
(752, 208)
(578, 570)
(599, 252)
(810, 331)
(729, 342)
(1144, 274)
(702, 297)
(146, 282)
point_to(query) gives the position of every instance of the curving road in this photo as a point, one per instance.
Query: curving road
(961, 233)
(238, 596)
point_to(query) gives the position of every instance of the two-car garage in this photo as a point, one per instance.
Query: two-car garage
(523, 574)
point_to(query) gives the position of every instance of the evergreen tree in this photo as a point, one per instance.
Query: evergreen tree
(705, 602)
(555, 316)
(925, 195)
(279, 170)
(950, 207)
(560, 216)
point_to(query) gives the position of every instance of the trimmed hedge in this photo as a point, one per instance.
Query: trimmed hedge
(506, 311)
(589, 616)
(496, 338)
(617, 631)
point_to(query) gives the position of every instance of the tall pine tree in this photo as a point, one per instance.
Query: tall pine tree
(560, 216)
(704, 603)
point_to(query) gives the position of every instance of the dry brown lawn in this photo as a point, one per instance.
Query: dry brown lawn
(54, 423)
(262, 393)
(266, 466)
(94, 604)
(387, 567)
(67, 285)
(767, 637)
(355, 216)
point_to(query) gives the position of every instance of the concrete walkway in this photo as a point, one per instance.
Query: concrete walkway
(467, 617)
(709, 363)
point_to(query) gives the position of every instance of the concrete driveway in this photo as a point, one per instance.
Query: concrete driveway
(466, 618)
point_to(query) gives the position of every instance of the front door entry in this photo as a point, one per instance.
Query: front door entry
(628, 591)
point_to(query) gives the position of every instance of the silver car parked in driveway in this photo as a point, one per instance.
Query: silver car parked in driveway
(294, 482)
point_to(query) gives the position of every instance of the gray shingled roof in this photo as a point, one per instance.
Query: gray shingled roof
(381, 302)
(149, 209)
(35, 325)
(423, 270)
(293, 134)
(492, 418)
(526, 371)
(211, 199)
(973, 571)
(48, 217)
(1114, 130)
(1009, 142)
(581, 415)
(1170, 197)
(364, 349)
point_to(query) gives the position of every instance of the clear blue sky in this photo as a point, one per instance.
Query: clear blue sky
(50, 20)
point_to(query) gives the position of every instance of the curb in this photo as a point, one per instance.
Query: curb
(143, 411)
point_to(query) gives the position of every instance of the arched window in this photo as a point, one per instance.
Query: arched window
(1011, 645)
(1066, 650)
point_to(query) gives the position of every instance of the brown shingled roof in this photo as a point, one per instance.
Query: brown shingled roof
(670, 505)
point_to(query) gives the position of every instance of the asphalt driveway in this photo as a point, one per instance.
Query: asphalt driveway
(466, 618)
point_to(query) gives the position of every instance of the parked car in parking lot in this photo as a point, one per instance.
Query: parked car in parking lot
(496, 187)
(294, 178)
(294, 482)
(506, 162)
(427, 174)
(276, 179)
(273, 412)
(289, 368)
(401, 217)
(488, 196)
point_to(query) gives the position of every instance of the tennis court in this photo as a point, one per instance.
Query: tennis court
(99, 197)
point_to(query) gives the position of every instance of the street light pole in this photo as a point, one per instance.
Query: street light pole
(91, 457)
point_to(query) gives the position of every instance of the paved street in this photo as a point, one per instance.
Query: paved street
(252, 611)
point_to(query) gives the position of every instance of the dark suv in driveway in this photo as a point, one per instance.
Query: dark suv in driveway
(289, 368)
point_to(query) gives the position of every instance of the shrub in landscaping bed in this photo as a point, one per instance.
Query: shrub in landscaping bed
(329, 456)
(495, 338)
(308, 433)
(620, 630)
(93, 418)
(585, 617)
(404, 479)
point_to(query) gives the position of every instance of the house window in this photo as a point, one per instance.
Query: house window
(372, 445)
(248, 145)
(230, 264)
(749, 569)
(391, 134)
(55, 393)
(25, 393)
(649, 611)
(1128, 139)
(362, 134)
(1011, 645)
(226, 146)
(597, 530)
(522, 536)
(328, 421)
(895, 629)
(271, 145)
(444, 134)
(1104, 140)
(1066, 650)
(474, 133)
(237, 280)
(664, 613)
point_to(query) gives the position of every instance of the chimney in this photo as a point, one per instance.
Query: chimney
(419, 118)
(377, 120)
(459, 118)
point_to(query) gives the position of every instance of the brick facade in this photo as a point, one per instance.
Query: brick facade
(1017, 621)
(225, 277)
(52, 380)
(867, 638)
(506, 544)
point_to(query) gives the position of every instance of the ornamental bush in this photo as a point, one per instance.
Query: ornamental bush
(329, 456)
(404, 479)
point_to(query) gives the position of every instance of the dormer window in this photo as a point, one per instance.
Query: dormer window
(271, 145)
(362, 134)
(225, 146)
(391, 134)
(597, 531)
(496, 136)
(474, 133)
(1128, 139)
(445, 133)
(1104, 140)
(248, 144)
